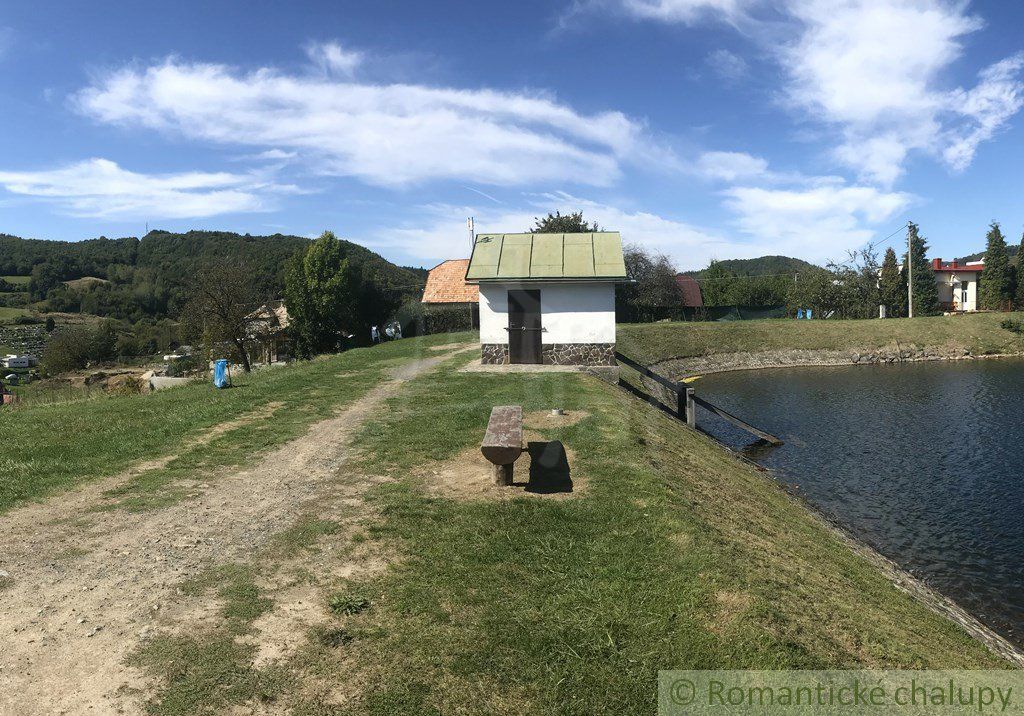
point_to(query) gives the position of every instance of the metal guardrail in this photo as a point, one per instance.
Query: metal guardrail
(686, 401)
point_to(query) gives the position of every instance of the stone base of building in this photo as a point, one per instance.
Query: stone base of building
(555, 354)
(578, 354)
(494, 353)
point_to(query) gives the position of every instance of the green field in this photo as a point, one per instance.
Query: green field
(8, 314)
(980, 333)
(668, 553)
(17, 280)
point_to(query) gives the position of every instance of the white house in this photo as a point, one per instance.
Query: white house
(958, 284)
(547, 298)
(16, 361)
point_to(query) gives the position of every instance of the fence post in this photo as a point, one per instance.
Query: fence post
(691, 409)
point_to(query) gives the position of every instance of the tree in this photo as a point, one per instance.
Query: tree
(892, 285)
(926, 293)
(653, 292)
(321, 290)
(568, 224)
(220, 306)
(995, 288)
(716, 285)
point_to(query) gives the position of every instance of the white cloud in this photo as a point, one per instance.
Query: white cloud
(440, 232)
(687, 11)
(99, 188)
(332, 59)
(730, 166)
(727, 65)
(990, 105)
(817, 223)
(389, 135)
(875, 70)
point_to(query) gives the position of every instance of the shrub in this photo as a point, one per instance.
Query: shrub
(418, 319)
(1012, 325)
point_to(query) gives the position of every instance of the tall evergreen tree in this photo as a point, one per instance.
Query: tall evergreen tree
(926, 293)
(320, 294)
(892, 285)
(995, 288)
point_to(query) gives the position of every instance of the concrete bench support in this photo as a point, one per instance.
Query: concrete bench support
(503, 441)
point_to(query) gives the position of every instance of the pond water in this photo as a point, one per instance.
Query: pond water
(923, 461)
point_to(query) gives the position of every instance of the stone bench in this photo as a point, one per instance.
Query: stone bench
(503, 441)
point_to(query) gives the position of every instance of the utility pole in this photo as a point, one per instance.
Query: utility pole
(910, 276)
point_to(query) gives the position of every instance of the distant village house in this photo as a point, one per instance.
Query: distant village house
(958, 284)
(689, 290)
(547, 298)
(268, 333)
(447, 287)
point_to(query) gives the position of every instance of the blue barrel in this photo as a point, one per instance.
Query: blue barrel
(220, 373)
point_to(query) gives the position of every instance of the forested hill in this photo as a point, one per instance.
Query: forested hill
(149, 277)
(761, 266)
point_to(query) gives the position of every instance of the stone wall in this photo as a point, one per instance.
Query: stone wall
(494, 353)
(578, 354)
(555, 354)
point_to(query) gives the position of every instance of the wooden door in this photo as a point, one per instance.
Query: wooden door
(524, 327)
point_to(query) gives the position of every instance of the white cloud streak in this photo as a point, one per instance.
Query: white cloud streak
(99, 188)
(388, 135)
(817, 223)
(332, 59)
(875, 71)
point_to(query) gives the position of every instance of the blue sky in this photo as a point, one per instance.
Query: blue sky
(699, 128)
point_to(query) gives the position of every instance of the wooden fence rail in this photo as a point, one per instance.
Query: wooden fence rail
(686, 401)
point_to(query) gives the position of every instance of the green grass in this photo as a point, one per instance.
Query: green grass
(8, 313)
(206, 671)
(17, 280)
(676, 555)
(980, 333)
(51, 447)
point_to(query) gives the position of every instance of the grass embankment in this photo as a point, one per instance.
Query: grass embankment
(980, 333)
(670, 554)
(51, 447)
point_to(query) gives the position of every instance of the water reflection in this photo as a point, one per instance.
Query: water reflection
(922, 461)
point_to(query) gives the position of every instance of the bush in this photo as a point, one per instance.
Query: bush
(185, 366)
(1012, 325)
(418, 319)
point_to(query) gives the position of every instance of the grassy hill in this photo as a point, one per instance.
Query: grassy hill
(761, 266)
(668, 552)
(130, 278)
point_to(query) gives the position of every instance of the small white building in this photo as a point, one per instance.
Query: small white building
(547, 298)
(16, 361)
(957, 284)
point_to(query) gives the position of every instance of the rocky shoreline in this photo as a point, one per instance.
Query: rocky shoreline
(678, 368)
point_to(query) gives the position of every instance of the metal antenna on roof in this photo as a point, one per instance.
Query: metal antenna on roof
(472, 234)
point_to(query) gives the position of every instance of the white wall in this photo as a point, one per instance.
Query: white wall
(570, 312)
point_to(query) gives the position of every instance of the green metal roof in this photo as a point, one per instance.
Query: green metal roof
(534, 257)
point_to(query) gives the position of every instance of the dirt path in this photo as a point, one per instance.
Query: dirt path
(85, 587)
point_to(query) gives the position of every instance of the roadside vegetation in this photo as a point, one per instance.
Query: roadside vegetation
(673, 555)
(56, 445)
(981, 334)
(668, 552)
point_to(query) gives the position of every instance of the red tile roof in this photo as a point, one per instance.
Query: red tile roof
(690, 289)
(446, 283)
